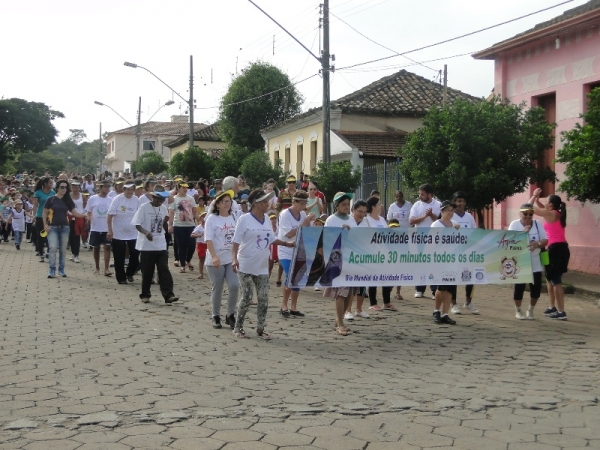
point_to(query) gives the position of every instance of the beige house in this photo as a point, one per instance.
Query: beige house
(367, 126)
(121, 145)
(208, 139)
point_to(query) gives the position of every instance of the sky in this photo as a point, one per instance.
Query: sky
(70, 53)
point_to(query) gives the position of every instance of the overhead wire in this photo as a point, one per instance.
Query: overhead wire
(372, 6)
(454, 38)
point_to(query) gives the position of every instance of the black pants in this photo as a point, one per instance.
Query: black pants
(6, 228)
(422, 289)
(186, 244)
(74, 240)
(160, 260)
(386, 292)
(119, 248)
(41, 243)
(29, 230)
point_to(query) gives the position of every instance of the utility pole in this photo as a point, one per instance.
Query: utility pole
(138, 133)
(325, 67)
(100, 163)
(445, 97)
(191, 137)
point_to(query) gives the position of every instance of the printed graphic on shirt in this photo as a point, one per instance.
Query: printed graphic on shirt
(262, 242)
(156, 225)
(185, 211)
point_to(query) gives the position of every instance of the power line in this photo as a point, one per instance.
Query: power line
(372, 6)
(381, 68)
(307, 56)
(455, 38)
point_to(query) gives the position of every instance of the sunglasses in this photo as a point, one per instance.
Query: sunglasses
(527, 214)
(62, 187)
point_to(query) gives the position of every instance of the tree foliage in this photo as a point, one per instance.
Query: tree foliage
(581, 154)
(230, 162)
(488, 149)
(25, 126)
(257, 169)
(40, 162)
(149, 162)
(194, 163)
(336, 177)
(240, 124)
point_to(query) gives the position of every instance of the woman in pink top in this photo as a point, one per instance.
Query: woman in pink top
(554, 213)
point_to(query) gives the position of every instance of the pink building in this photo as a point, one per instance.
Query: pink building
(554, 65)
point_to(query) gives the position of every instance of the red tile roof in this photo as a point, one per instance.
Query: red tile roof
(374, 144)
(210, 134)
(162, 128)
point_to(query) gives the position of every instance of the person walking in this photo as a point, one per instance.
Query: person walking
(182, 220)
(56, 224)
(537, 241)
(122, 234)
(152, 245)
(218, 233)
(97, 209)
(43, 190)
(17, 222)
(76, 225)
(250, 260)
(554, 213)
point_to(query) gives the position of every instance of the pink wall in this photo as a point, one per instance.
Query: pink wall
(537, 69)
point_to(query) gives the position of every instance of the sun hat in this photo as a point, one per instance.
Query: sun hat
(446, 204)
(159, 191)
(290, 179)
(337, 198)
(526, 207)
(220, 195)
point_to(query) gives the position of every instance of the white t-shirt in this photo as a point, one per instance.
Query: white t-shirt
(98, 206)
(78, 204)
(419, 208)
(335, 221)
(220, 231)
(199, 230)
(184, 212)
(18, 219)
(124, 209)
(254, 239)
(466, 221)
(287, 223)
(27, 206)
(88, 187)
(536, 233)
(112, 194)
(400, 213)
(379, 223)
(440, 224)
(151, 219)
(145, 199)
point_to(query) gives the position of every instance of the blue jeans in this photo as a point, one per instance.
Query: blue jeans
(18, 237)
(58, 238)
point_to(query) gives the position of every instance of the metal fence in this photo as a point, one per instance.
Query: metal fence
(385, 177)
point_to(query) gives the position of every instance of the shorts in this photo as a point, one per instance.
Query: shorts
(285, 263)
(451, 288)
(201, 249)
(98, 238)
(559, 255)
(535, 287)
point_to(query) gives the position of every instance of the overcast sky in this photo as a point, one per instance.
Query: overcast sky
(69, 53)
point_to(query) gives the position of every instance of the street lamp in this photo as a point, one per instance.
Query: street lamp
(169, 103)
(190, 102)
(104, 104)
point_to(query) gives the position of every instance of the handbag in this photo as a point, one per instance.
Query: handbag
(544, 255)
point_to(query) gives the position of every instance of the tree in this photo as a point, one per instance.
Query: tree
(230, 161)
(40, 162)
(25, 126)
(240, 123)
(488, 149)
(149, 162)
(257, 169)
(336, 177)
(194, 162)
(581, 154)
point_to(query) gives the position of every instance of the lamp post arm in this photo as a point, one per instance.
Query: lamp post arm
(173, 90)
(118, 115)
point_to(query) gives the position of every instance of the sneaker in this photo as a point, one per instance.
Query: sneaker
(216, 322)
(18, 246)
(230, 320)
(84, 245)
(437, 317)
(530, 315)
(42, 259)
(433, 296)
(76, 259)
(362, 314)
(296, 313)
(145, 300)
(558, 315)
(348, 316)
(549, 311)
(70, 258)
(37, 253)
(519, 315)
(447, 320)
(172, 299)
(418, 294)
(51, 274)
(455, 309)
(62, 274)
(471, 307)
(317, 288)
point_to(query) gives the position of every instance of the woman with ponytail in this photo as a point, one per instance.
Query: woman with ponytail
(554, 213)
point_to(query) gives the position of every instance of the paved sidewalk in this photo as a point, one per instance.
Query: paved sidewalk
(85, 365)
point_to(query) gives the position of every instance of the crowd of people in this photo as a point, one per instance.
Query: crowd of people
(238, 235)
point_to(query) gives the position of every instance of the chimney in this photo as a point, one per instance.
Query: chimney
(179, 119)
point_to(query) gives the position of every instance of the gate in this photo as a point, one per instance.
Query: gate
(385, 177)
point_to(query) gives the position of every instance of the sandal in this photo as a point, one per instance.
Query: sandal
(182, 270)
(240, 334)
(375, 308)
(200, 277)
(108, 274)
(190, 267)
(176, 264)
(342, 331)
(399, 297)
(390, 307)
(261, 333)
(278, 283)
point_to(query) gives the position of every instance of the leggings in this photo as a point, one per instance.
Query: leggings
(218, 276)
(386, 292)
(41, 242)
(247, 283)
(186, 244)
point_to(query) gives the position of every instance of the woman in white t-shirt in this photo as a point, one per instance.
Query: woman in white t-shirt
(537, 240)
(218, 233)
(182, 221)
(314, 204)
(251, 242)
(374, 220)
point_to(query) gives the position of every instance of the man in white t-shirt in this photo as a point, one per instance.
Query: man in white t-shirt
(152, 245)
(400, 210)
(465, 220)
(422, 214)
(122, 233)
(97, 209)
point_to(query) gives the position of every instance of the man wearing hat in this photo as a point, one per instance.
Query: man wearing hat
(152, 245)
(118, 187)
(97, 209)
(286, 195)
(122, 233)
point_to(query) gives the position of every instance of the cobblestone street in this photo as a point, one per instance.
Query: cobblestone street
(85, 365)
